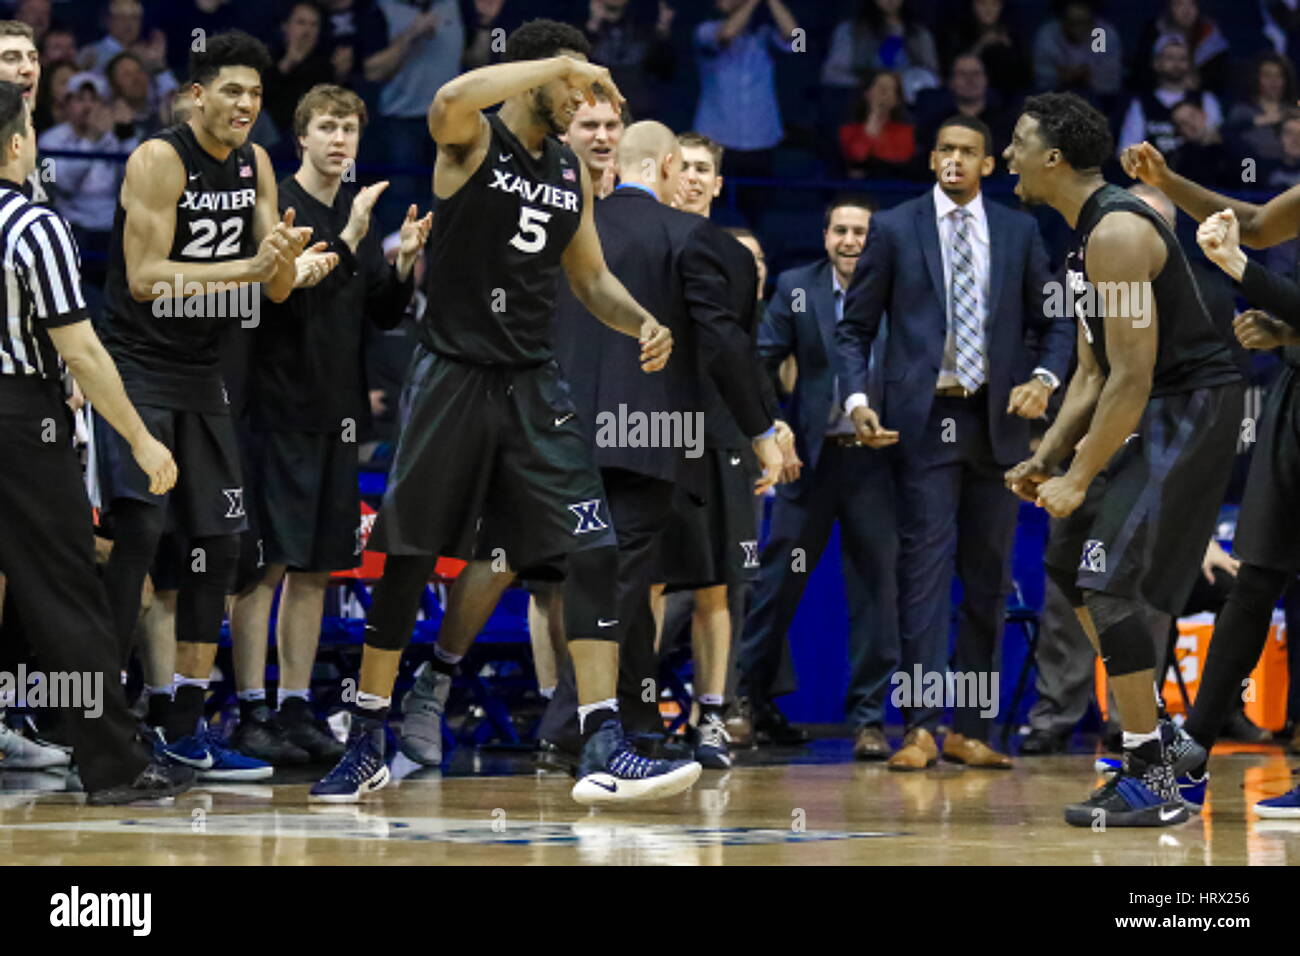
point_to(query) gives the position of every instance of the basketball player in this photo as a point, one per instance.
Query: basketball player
(1267, 536)
(197, 226)
(594, 136)
(1153, 407)
(306, 387)
(489, 423)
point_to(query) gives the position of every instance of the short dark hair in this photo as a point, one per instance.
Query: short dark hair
(856, 200)
(13, 111)
(118, 58)
(972, 123)
(1069, 123)
(699, 141)
(539, 39)
(232, 48)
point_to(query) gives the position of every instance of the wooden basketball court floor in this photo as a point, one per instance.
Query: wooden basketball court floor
(810, 807)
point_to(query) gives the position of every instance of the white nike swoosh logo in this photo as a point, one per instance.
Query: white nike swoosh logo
(204, 764)
(561, 421)
(1169, 815)
(503, 157)
(194, 176)
(604, 623)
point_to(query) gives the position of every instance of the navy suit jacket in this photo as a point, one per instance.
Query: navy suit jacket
(800, 321)
(900, 273)
(672, 264)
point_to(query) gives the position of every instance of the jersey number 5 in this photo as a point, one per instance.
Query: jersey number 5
(204, 231)
(532, 234)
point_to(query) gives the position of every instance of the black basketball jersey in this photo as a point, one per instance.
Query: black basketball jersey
(1191, 353)
(495, 253)
(168, 349)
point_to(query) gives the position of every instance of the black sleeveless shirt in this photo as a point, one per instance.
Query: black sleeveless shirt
(495, 252)
(168, 349)
(1191, 352)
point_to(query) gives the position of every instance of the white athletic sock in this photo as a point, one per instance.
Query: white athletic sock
(445, 656)
(711, 700)
(168, 689)
(585, 709)
(256, 693)
(372, 701)
(180, 680)
(284, 694)
(547, 692)
(1133, 741)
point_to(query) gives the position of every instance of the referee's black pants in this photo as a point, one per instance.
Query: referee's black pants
(47, 554)
(639, 506)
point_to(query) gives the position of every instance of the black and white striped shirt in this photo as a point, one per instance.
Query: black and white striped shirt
(42, 284)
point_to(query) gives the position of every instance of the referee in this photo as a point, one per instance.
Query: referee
(45, 524)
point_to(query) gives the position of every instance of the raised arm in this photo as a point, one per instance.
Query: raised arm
(604, 296)
(1261, 226)
(155, 179)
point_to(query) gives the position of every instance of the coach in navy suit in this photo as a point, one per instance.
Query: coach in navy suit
(963, 283)
(842, 480)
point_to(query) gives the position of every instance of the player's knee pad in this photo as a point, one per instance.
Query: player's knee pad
(397, 600)
(590, 595)
(1065, 581)
(1126, 642)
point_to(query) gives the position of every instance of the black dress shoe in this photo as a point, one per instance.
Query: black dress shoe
(1242, 729)
(771, 727)
(1039, 742)
(555, 758)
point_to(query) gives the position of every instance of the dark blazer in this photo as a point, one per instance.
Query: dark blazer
(720, 426)
(671, 264)
(900, 273)
(800, 321)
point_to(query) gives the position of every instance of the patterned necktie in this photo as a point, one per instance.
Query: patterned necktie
(969, 336)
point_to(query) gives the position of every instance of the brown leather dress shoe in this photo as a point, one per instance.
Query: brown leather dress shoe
(740, 724)
(973, 753)
(918, 752)
(870, 744)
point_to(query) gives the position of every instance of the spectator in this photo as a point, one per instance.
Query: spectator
(1284, 172)
(967, 93)
(49, 94)
(486, 19)
(594, 134)
(85, 190)
(124, 20)
(300, 63)
(637, 50)
(422, 52)
(882, 35)
(59, 45)
(1150, 113)
(1202, 157)
(881, 140)
(738, 106)
(985, 31)
(1254, 124)
(136, 107)
(36, 14)
(1208, 46)
(344, 40)
(1065, 57)
(178, 19)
